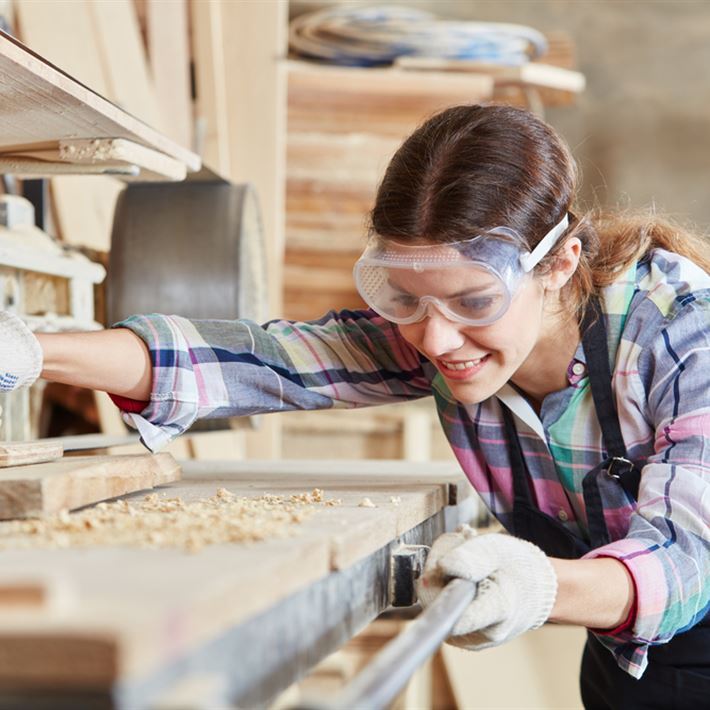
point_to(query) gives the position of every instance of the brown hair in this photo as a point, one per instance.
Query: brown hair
(481, 166)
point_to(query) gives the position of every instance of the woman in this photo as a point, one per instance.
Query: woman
(569, 363)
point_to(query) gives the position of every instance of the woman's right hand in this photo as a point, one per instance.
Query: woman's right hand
(20, 354)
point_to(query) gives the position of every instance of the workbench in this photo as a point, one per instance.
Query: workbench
(135, 628)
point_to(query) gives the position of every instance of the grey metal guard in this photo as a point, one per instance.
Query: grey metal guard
(378, 684)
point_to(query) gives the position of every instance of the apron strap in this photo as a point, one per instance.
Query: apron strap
(518, 465)
(596, 350)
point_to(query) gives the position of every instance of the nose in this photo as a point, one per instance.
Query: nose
(440, 335)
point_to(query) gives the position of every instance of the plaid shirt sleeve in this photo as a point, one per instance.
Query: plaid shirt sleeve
(667, 548)
(213, 368)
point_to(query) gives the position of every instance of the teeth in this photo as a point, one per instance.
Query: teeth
(461, 365)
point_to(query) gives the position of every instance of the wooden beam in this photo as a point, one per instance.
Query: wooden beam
(49, 105)
(244, 45)
(124, 62)
(46, 488)
(169, 58)
(98, 155)
(211, 119)
(27, 452)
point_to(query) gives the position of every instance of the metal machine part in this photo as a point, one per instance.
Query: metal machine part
(193, 248)
(378, 684)
(407, 565)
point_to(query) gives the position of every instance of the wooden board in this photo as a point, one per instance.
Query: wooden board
(386, 102)
(211, 119)
(51, 106)
(169, 55)
(124, 60)
(45, 105)
(102, 155)
(135, 610)
(240, 125)
(46, 488)
(27, 452)
(533, 73)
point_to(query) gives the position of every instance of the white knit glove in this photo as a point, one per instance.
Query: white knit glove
(20, 353)
(517, 585)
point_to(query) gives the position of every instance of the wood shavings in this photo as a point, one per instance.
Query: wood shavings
(160, 522)
(395, 500)
(366, 503)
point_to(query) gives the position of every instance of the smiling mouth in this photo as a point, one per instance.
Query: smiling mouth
(462, 368)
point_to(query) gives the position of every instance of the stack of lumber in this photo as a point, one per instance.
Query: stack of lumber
(137, 54)
(100, 45)
(409, 432)
(344, 124)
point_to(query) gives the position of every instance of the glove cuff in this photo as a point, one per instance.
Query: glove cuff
(20, 354)
(543, 587)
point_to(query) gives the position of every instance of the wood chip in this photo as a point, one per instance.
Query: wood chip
(367, 503)
(161, 522)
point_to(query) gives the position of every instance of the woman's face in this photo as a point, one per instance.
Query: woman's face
(476, 361)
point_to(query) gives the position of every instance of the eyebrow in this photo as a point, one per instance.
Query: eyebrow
(466, 291)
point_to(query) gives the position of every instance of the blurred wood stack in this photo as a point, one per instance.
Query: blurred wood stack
(314, 139)
(343, 126)
(140, 55)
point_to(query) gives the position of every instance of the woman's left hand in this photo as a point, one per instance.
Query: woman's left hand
(517, 585)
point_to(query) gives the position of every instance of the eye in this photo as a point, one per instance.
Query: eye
(405, 299)
(477, 304)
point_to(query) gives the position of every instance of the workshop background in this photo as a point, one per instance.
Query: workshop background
(626, 83)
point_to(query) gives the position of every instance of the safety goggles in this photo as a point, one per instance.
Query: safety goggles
(472, 281)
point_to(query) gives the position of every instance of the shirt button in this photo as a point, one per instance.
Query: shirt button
(562, 515)
(579, 368)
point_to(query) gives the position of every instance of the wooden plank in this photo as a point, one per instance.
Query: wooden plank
(142, 609)
(124, 61)
(46, 488)
(139, 610)
(169, 56)
(52, 27)
(42, 105)
(26, 452)
(532, 74)
(254, 46)
(104, 155)
(255, 36)
(319, 473)
(62, 32)
(211, 118)
(385, 102)
(49, 105)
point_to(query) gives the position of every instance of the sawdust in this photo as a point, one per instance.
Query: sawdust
(160, 522)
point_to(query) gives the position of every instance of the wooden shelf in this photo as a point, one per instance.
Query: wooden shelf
(42, 108)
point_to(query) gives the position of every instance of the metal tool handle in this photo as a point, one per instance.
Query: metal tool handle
(378, 684)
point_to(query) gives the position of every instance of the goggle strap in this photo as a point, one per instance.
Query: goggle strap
(530, 260)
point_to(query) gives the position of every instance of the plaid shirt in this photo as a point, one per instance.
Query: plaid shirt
(657, 317)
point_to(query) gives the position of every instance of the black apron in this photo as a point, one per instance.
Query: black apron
(678, 674)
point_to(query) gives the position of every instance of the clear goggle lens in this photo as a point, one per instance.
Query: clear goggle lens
(393, 293)
(472, 281)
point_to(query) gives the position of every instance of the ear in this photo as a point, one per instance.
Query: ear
(564, 266)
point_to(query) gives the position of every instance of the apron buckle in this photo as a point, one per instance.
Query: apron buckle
(617, 462)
